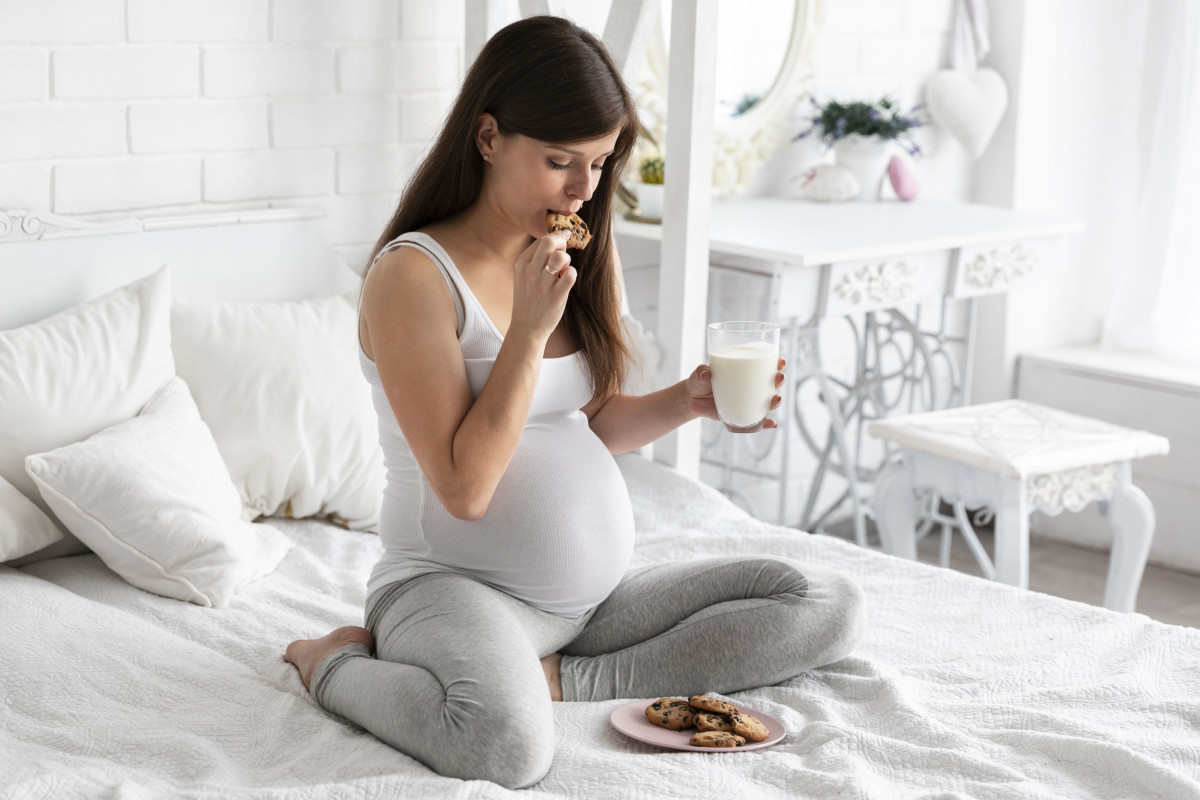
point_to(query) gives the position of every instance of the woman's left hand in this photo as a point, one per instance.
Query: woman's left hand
(700, 396)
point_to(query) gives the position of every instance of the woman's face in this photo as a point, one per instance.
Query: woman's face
(531, 178)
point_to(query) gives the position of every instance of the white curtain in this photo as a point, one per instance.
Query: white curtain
(1156, 306)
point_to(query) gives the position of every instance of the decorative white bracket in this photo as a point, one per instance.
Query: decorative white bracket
(20, 224)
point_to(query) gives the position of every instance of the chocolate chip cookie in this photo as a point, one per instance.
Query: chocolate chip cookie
(716, 739)
(748, 726)
(671, 713)
(703, 702)
(708, 721)
(580, 236)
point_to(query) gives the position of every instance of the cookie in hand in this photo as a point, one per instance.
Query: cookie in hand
(578, 228)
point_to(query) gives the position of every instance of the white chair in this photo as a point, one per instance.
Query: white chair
(1017, 457)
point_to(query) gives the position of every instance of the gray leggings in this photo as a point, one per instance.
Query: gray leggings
(457, 682)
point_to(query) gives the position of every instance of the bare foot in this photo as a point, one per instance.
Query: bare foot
(550, 665)
(307, 654)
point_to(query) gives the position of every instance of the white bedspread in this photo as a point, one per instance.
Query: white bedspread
(961, 689)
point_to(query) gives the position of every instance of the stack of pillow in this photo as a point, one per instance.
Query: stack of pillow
(152, 433)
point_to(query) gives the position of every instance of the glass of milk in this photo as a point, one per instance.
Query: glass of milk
(744, 357)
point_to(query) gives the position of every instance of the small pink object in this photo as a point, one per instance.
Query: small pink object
(902, 180)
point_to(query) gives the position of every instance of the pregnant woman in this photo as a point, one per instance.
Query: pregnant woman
(496, 358)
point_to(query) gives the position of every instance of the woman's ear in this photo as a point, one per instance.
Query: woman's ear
(487, 132)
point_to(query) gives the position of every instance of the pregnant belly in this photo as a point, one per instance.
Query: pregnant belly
(558, 533)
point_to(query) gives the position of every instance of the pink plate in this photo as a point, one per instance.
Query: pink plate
(630, 719)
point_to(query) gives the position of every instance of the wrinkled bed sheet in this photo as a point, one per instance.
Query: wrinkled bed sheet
(962, 688)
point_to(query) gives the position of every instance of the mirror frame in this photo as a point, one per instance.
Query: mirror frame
(742, 144)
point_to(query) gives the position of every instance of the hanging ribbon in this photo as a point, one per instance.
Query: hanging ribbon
(971, 43)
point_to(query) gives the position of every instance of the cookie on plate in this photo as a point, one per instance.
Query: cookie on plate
(708, 721)
(580, 236)
(671, 713)
(716, 739)
(748, 726)
(703, 702)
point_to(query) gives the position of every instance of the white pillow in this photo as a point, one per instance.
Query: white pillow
(151, 496)
(70, 375)
(23, 526)
(279, 385)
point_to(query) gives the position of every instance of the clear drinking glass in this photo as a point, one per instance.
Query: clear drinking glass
(744, 357)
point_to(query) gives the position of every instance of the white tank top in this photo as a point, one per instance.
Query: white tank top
(558, 533)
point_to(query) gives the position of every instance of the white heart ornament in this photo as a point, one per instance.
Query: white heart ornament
(969, 105)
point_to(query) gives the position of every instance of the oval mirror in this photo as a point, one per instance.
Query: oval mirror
(764, 55)
(752, 43)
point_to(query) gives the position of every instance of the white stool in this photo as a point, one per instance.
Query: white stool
(1017, 457)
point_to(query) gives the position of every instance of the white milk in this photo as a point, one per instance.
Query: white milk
(743, 381)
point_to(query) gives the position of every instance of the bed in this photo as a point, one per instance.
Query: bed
(961, 689)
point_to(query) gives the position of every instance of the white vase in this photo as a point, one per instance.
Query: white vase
(867, 157)
(650, 200)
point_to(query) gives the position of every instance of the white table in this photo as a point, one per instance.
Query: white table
(865, 261)
(1016, 458)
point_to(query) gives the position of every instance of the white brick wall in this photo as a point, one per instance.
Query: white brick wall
(171, 106)
(344, 20)
(127, 183)
(25, 72)
(25, 185)
(63, 21)
(313, 123)
(183, 105)
(59, 130)
(268, 71)
(268, 174)
(198, 20)
(182, 127)
(134, 71)
(421, 20)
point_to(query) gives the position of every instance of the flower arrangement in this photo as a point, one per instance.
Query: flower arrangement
(651, 167)
(883, 119)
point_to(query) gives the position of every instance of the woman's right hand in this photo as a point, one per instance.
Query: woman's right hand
(542, 278)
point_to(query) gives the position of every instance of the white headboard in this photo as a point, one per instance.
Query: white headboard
(50, 263)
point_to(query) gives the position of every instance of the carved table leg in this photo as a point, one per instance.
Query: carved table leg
(895, 515)
(1131, 515)
(1012, 534)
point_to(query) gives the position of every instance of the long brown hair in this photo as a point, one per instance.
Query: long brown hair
(550, 80)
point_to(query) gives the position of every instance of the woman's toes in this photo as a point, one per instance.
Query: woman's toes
(307, 654)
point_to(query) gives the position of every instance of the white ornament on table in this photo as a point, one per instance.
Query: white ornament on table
(829, 183)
